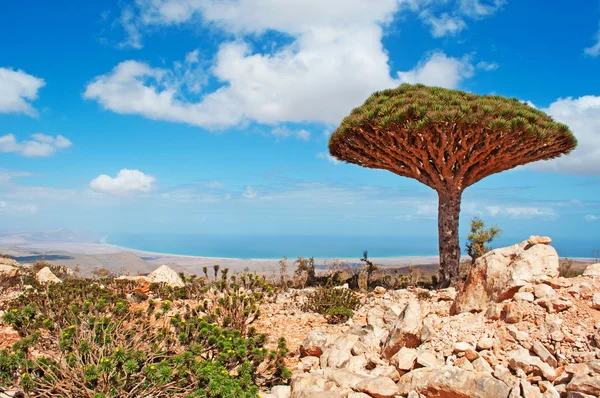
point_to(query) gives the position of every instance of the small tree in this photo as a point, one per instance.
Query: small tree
(305, 271)
(216, 269)
(283, 271)
(370, 267)
(447, 140)
(479, 237)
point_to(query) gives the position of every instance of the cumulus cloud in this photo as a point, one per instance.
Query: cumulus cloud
(594, 50)
(334, 60)
(582, 115)
(439, 70)
(17, 90)
(591, 217)
(517, 212)
(127, 182)
(444, 25)
(250, 193)
(40, 145)
(327, 156)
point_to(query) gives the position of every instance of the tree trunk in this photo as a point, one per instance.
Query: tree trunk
(448, 212)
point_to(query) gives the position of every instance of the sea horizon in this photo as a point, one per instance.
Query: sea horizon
(273, 247)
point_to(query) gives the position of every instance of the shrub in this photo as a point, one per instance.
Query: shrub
(336, 305)
(479, 236)
(565, 268)
(104, 346)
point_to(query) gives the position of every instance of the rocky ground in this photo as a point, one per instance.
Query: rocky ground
(515, 328)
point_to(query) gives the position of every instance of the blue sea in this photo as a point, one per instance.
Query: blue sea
(275, 247)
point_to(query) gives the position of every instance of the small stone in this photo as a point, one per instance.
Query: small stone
(544, 291)
(596, 301)
(313, 344)
(429, 360)
(513, 313)
(380, 290)
(486, 343)
(529, 391)
(577, 368)
(404, 359)
(468, 349)
(539, 240)
(495, 311)
(542, 352)
(379, 387)
(523, 296)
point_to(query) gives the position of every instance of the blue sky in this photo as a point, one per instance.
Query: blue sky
(200, 116)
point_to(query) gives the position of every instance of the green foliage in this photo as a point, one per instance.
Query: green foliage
(417, 108)
(337, 305)
(479, 236)
(305, 272)
(106, 344)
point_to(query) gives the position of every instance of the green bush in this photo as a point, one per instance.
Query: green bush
(104, 345)
(337, 305)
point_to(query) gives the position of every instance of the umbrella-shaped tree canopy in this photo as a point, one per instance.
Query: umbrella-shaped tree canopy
(447, 140)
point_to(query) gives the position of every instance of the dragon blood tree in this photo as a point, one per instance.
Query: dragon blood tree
(447, 140)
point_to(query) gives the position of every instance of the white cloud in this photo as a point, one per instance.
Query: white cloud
(40, 145)
(480, 8)
(333, 61)
(519, 212)
(215, 185)
(17, 89)
(591, 217)
(127, 182)
(487, 66)
(582, 115)
(439, 70)
(444, 25)
(284, 132)
(594, 50)
(250, 193)
(327, 156)
(7, 175)
(17, 209)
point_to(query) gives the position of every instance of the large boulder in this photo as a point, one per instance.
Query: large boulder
(9, 261)
(165, 274)
(406, 331)
(450, 381)
(8, 271)
(45, 275)
(498, 274)
(592, 270)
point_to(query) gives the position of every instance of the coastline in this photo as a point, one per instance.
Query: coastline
(90, 255)
(123, 260)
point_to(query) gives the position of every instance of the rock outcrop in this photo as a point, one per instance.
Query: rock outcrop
(9, 261)
(500, 273)
(165, 274)
(8, 271)
(45, 275)
(530, 333)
